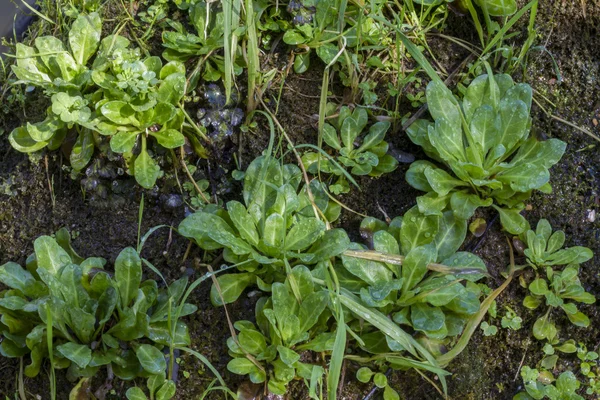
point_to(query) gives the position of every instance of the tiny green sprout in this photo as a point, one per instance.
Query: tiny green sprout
(544, 248)
(483, 151)
(488, 330)
(364, 375)
(511, 320)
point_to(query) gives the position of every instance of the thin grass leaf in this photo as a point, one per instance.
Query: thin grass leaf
(337, 356)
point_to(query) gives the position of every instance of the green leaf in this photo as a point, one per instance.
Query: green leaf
(525, 177)
(303, 234)
(375, 136)
(232, 286)
(169, 138)
(80, 354)
(84, 37)
(199, 224)
(330, 137)
(146, 170)
(274, 230)
(151, 359)
(466, 265)
(292, 37)
(512, 220)
(243, 222)
(49, 255)
(498, 8)
(415, 264)
(544, 329)
(333, 243)
(83, 150)
(441, 181)
(539, 287)
(21, 141)
(364, 374)
(45, 130)
(241, 366)
(123, 142)
(417, 229)
(514, 122)
(119, 112)
(288, 356)
(579, 319)
(450, 236)
(371, 272)
(464, 204)
(252, 341)
(572, 255)
(167, 391)
(171, 89)
(349, 132)
(128, 275)
(135, 393)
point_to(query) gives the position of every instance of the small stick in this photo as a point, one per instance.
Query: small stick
(187, 171)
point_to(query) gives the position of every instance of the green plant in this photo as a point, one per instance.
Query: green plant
(121, 96)
(277, 228)
(484, 142)
(488, 330)
(544, 248)
(541, 385)
(556, 292)
(511, 320)
(415, 275)
(82, 317)
(364, 375)
(343, 134)
(589, 368)
(291, 321)
(208, 20)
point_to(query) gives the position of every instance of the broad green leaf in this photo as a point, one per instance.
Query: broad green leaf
(482, 93)
(243, 222)
(349, 132)
(21, 141)
(371, 272)
(135, 393)
(146, 170)
(441, 181)
(252, 341)
(304, 233)
(543, 329)
(288, 356)
(464, 204)
(330, 137)
(84, 37)
(232, 286)
(45, 130)
(123, 142)
(443, 105)
(447, 140)
(524, 177)
(49, 255)
(556, 241)
(512, 220)
(466, 264)
(514, 122)
(83, 150)
(167, 391)
(450, 236)
(80, 354)
(414, 267)
(375, 136)
(15, 277)
(169, 138)
(274, 230)
(572, 255)
(128, 275)
(415, 176)
(485, 128)
(119, 112)
(538, 287)
(172, 89)
(417, 229)
(151, 359)
(579, 319)
(311, 309)
(333, 243)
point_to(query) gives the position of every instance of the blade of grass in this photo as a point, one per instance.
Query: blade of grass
(337, 355)
(252, 49)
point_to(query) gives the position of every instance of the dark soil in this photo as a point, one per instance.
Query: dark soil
(37, 200)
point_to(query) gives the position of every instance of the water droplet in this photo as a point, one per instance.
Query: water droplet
(413, 219)
(427, 234)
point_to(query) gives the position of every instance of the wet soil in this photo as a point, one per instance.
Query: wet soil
(36, 199)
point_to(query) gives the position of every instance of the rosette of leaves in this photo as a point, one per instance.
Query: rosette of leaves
(293, 320)
(544, 248)
(140, 99)
(83, 318)
(484, 153)
(414, 273)
(362, 154)
(273, 231)
(208, 20)
(62, 72)
(558, 291)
